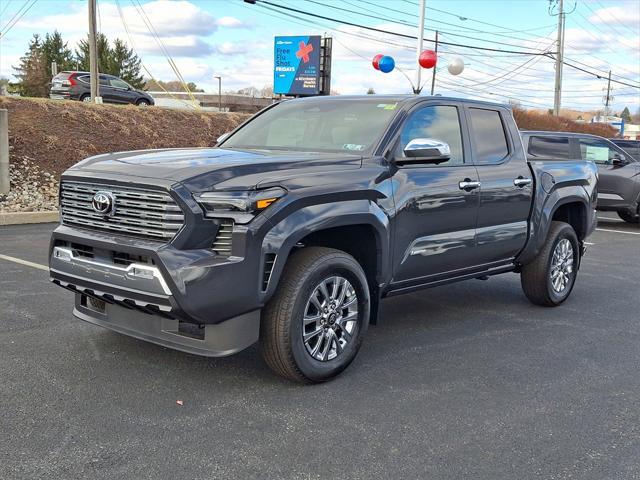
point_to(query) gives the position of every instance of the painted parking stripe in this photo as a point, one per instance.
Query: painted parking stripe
(605, 219)
(616, 231)
(24, 262)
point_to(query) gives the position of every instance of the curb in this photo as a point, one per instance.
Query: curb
(21, 218)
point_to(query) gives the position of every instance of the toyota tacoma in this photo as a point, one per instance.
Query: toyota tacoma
(294, 227)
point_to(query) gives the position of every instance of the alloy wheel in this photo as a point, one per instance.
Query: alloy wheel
(330, 318)
(562, 266)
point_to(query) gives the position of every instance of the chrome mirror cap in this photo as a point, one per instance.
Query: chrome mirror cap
(427, 147)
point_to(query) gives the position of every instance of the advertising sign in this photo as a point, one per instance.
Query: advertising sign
(297, 65)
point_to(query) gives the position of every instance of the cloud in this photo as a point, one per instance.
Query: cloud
(232, 48)
(628, 16)
(230, 22)
(182, 26)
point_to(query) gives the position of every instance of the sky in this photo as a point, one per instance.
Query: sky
(234, 40)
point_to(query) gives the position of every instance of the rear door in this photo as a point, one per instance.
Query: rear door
(106, 92)
(506, 190)
(435, 219)
(618, 184)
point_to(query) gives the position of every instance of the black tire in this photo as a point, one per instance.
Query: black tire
(143, 103)
(629, 217)
(536, 276)
(85, 98)
(281, 330)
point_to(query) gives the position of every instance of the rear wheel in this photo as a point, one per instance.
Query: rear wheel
(86, 98)
(629, 217)
(549, 279)
(143, 103)
(313, 327)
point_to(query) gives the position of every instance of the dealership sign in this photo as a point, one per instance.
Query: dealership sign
(297, 65)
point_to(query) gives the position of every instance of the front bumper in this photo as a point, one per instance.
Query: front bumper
(218, 340)
(190, 300)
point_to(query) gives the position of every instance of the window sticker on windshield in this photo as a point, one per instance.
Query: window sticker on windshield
(388, 106)
(597, 154)
(353, 146)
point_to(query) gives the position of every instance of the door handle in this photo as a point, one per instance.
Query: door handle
(521, 182)
(468, 185)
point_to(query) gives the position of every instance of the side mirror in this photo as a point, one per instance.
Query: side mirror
(425, 150)
(618, 160)
(223, 137)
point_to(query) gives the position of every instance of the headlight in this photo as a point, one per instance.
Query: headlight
(240, 205)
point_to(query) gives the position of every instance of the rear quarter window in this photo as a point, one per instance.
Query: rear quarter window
(549, 147)
(489, 136)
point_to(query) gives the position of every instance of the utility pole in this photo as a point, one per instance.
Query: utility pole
(219, 92)
(607, 99)
(93, 52)
(416, 88)
(433, 78)
(4, 152)
(557, 98)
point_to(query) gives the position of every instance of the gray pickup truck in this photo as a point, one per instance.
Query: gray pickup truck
(301, 220)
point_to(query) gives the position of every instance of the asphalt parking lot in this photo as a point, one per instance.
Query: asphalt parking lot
(462, 381)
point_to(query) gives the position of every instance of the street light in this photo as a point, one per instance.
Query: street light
(219, 92)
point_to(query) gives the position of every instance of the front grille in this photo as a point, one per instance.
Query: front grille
(223, 240)
(138, 212)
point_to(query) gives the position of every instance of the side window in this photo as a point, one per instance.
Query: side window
(597, 150)
(84, 78)
(116, 82)
(549, 147)
(104, 81)
(489, 137)
(437, 122)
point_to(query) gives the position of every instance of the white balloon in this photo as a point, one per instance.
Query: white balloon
(456, 66)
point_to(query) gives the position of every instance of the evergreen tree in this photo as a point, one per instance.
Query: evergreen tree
(626, 115)
(32, 71)
(117, 60)
(125, 64)
(104, 54)
(55, 49)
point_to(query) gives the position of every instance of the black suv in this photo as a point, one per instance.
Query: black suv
(618, 171)
(76, 86)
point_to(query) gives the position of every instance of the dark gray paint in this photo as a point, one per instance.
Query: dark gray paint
(424, 229)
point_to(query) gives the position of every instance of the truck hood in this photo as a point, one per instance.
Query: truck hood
(203, 168)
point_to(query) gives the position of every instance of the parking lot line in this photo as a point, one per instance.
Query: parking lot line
(616, 231)
(24, 262)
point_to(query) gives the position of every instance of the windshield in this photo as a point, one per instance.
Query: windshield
(318, 125)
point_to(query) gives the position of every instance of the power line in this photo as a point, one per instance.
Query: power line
(22, 11)
(380, 30)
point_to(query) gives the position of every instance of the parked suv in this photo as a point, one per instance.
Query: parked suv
(619, 172)
(76, 86)
(293, 229)
(632, 147)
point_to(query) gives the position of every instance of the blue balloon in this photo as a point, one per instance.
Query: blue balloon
(386, 64)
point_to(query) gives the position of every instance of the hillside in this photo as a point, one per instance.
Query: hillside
(533, 120)
(58, 134)
(46, 137)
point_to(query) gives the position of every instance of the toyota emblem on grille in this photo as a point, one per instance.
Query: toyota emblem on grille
(103, 203)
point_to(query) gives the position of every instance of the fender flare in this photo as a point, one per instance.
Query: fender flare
(542, 217)
(284, 235)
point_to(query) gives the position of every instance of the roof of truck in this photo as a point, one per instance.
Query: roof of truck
(404, 98)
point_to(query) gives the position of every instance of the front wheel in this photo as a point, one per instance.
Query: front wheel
(313, 327)
(143, 103)
(549, 279)
(629, 217)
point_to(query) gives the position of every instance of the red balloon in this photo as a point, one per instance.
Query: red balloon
(428, 59)
(376, 61)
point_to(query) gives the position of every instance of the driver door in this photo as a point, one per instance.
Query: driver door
(436, 204)
(617, 181)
